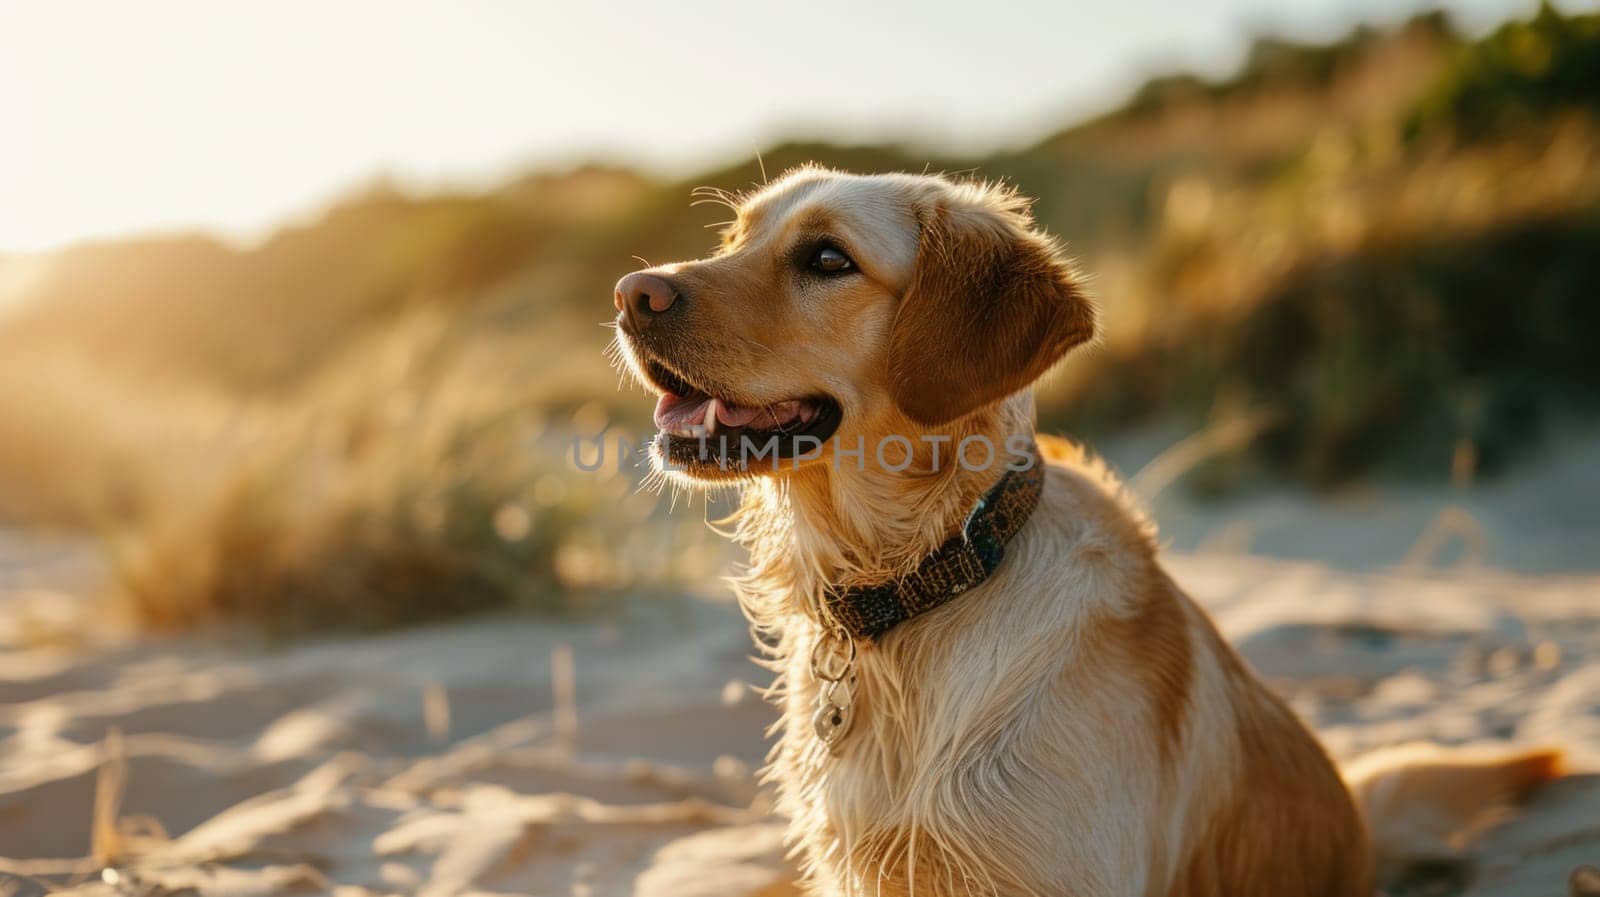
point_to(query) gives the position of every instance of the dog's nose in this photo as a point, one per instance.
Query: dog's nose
(641, 296)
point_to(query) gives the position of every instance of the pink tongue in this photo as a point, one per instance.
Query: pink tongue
(735, 415)
(676, 413)
(765, 417)
(680, 413)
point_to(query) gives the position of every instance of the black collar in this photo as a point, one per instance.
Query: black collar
(965, 560)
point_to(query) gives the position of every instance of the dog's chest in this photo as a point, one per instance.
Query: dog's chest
(941, 778)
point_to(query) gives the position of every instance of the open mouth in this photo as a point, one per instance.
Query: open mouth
(698, 427)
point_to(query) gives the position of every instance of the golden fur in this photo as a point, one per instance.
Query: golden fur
(1074, 725)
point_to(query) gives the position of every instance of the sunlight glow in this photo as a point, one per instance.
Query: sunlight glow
(232, 117)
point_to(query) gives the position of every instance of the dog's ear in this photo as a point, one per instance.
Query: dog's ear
(990, 307)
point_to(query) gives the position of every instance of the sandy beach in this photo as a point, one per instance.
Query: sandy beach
(511, 755)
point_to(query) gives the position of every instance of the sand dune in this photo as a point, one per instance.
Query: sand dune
(447, 760)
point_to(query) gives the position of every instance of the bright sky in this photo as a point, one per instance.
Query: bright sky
(235, 115)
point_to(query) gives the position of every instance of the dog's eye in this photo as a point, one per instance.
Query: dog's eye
(829, 260)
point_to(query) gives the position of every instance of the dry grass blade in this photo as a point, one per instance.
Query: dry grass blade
(106, 843)
(1229, 435)
(564, 691)
(1452, 521)
(436, 711)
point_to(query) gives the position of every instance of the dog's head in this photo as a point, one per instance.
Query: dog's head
(841, 307)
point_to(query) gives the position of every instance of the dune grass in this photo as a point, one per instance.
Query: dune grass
(1388, 305)
(419, 478)
(367, 420)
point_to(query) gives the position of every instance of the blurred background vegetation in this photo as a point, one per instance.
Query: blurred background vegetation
(1385, 246)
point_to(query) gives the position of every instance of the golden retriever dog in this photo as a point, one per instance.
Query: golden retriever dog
(988, 683)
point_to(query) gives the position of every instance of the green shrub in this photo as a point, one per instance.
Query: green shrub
(1522, 73)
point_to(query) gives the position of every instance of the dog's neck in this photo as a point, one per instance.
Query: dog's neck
(837, 523)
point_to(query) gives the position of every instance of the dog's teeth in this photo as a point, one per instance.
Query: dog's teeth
(711, 417)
